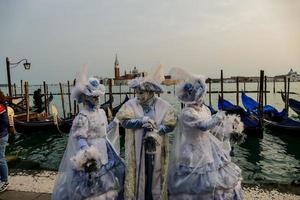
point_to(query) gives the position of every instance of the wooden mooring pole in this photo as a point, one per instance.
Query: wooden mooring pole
(287, 96)
(209, 92)
(47, 95)
(120, 90)
(27, 101)
(222, 96)
(22, 94)
(69, 99)
(74, 102)
(110, 93)
(62, 99)
(274, 85)
(261, 97)
(265, 90)
(237, 91)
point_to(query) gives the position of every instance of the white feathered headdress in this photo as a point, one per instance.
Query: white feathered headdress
(191, 89)
(151, 82)
(88, 87)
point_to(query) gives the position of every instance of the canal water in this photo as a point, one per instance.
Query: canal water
(273, 159)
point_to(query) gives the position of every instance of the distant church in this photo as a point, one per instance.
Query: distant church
(293, 75)
(123, 79)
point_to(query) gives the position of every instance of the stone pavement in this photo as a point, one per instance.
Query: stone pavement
(17, 195)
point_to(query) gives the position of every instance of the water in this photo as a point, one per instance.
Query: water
(273, 159)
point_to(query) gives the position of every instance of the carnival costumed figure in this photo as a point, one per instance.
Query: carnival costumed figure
(201, 168)
(147, 119)
(91, 167)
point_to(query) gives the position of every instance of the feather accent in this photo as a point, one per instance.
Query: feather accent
(83, 156)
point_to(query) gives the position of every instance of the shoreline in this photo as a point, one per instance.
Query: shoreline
(42, 181)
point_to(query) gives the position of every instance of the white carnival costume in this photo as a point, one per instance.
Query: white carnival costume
(136, 117)
(90, 168)
(201, 168)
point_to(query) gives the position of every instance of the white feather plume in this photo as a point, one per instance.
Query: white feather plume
(157, 76)
(83, 156)
(81, 82)
(182, 75)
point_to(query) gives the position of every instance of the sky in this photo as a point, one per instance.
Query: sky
(202, 36)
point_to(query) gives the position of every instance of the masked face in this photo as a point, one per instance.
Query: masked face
(92, 101)
(143, 96)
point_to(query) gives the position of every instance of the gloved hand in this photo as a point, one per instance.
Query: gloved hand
(148, 127)
(148, 124)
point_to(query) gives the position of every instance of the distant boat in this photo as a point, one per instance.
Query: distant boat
(293, 104)
(273, 120)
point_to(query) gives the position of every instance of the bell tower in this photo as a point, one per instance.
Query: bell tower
(117, 68)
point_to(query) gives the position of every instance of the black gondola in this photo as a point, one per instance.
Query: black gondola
(19, 109)
(25, 127)
(293, 104)
(64, 125)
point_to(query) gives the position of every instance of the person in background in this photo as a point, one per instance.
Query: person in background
(37, 100)
(4, 125)
(91, 167)
(147, 120)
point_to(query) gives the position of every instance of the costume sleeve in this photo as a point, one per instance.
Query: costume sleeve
(132, 123)
(83, 143)
(127, 118)
(125, 113)
(189, 118)
(168, 123)
(111, 125)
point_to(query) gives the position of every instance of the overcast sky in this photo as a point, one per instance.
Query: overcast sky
(203, 36)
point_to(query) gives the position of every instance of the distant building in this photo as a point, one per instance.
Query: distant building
(123, 79)
(293, 75)
(169, 81)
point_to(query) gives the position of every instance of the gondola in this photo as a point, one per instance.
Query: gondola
(251, 123)
(278, 121)
(293, 104)
(46, 125)
(25, 127)
(19, 109)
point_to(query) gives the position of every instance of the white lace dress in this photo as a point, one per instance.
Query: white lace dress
(202, 169)
(88, 141)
